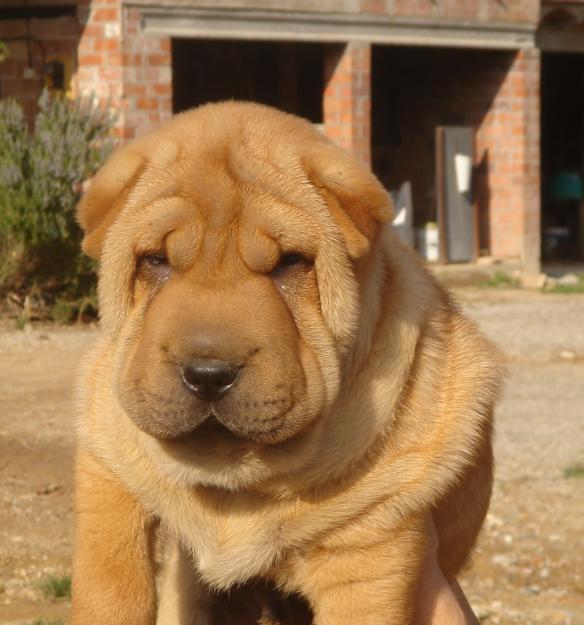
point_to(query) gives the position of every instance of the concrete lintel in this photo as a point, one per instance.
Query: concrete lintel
(331, 27)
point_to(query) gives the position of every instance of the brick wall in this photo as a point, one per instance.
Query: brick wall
(147, 76)
(128, 71)
(497, 92)
(347, 98)
(100, 70)
(109, 57)
(509, 138)
(21, 75)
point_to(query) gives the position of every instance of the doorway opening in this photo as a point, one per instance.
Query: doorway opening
(287, 75)
(415, 90)
(562, 156)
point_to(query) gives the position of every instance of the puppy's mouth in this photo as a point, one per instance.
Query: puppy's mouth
(209, 423)
(211, 426)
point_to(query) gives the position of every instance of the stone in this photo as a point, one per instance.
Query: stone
(570, 279)
(530, 280)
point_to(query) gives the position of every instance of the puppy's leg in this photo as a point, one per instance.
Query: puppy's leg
(113, 573)
(460, 514)
(182, 598)
(366, 585)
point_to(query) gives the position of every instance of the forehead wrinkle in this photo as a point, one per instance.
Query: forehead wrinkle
(207, 177)
(225, 240)
(281, 193)
(291, 183)
(160, 218)
(151, 189)
(285, 222)
(215, 197)
(257, 249)
(251, 174)
(218, 237)
(222, 205)
(282, 178)
(183, 243)
(248, 166)
(293, 194)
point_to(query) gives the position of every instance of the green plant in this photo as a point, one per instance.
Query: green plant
(41, 177)
(21, 322)
(574, 471)
(55, 587)
(4, 51)
(577, 287)
(42, 621)
(500, 280)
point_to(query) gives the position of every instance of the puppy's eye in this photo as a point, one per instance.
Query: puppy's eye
(289, 265)
(153, 268)
(154, 260)
(291, 259)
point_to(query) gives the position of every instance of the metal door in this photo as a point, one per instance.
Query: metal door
(456, 219)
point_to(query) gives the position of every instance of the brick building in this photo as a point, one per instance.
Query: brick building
(379, 75)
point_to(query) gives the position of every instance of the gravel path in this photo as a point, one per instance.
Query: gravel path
(529, 568)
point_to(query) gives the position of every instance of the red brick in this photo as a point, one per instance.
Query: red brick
(131, 59)
(124, 132)
(93, 30)
(12, 28)
(147, 104)
(162, 89)
(106, 15)
(373, 6)
(164, 44)
(159, 59)
(133, 89)
(91, 59)
(347, 98)
(111, 45)
(114, 58)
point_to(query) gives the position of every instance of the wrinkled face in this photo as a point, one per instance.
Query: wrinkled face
(229, 290)
(224, 288)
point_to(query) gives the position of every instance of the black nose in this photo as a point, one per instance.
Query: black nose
(209, 379)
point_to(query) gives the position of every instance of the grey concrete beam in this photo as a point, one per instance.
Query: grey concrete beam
(331, 27)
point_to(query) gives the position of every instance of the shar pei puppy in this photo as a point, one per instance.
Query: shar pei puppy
(282, 394)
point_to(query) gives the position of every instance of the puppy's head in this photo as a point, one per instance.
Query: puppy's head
(227, 242)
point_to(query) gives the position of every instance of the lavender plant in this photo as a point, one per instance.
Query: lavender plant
(41, 176)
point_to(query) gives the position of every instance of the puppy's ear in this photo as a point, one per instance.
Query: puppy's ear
(107, 193)
(354, 196)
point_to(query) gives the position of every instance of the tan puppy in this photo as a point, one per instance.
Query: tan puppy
(281, 388)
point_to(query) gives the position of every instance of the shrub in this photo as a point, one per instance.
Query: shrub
(41, 177)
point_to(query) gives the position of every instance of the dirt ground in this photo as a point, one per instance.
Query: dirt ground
(530, 564)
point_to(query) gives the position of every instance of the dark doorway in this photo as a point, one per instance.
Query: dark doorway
(289, 76)
(415, 90)
(562, 156)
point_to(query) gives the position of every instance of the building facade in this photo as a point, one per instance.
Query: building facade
(379, 76)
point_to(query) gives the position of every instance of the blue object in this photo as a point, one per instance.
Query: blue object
(567, 185)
